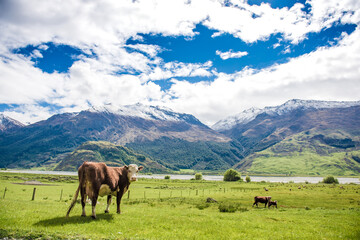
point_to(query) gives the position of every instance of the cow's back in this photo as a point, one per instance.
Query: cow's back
(97, 174)
(92, 171)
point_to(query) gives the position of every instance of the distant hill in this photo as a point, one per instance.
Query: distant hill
(302, 140)
(306, 153)
(177, 153)
(145, 128)
(109, 153)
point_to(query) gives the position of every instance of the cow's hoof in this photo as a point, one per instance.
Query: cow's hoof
(83, 215)
(106, 211)
(93, 217)
(118, 212)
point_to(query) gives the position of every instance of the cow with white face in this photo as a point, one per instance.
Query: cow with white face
(133, 171)
(97, 179)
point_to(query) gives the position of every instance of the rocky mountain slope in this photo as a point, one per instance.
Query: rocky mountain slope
(291, 105)
(318, 136)
(298, 137)
(48, 142)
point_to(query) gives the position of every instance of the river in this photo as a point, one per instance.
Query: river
(342, 180)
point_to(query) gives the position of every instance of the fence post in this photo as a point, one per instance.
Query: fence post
(33, 197)
(4, 192)
(61, 194)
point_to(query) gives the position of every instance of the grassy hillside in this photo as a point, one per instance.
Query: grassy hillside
(307, 153)
(171, 209)
(200, 155)
(111, 154)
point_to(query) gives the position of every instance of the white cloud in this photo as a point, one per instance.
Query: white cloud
(230, 54)
(29, 113)
(294, 23)
(151, 50)
(22, 83)
(177, 69)
(102, 28)
(326, 74)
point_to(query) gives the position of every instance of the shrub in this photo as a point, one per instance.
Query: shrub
(232, 175)
(227, 208)
(247, 178)
(198, 176)
(202, 206)
(167, 177)
(330, 179)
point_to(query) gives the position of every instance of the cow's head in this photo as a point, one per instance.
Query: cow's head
(133, 169)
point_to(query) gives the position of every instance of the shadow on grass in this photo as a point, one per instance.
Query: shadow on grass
(60, 221)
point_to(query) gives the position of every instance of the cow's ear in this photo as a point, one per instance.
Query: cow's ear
(126, 167)
(140, 168)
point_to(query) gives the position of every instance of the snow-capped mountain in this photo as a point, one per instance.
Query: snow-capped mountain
(176, 139)
(250, 114)
(146, 112)
(7, 123)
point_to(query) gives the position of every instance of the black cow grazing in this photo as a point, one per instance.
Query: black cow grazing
(97, 179)
(261, 199)
(266, 189)
(272, 203)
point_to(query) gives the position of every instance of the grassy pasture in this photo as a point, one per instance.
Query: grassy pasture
(177, 209)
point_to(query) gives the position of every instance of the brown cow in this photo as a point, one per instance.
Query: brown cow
(272, 203)
(261, 199)
(97, 179)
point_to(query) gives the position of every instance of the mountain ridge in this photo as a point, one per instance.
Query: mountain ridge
(49, 141)
(180, 141)
(293, 104)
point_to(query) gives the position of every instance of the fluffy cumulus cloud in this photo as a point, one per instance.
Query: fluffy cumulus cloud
(327, 74)
(114, 71)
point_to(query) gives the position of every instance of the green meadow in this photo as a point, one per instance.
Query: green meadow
(177, 209)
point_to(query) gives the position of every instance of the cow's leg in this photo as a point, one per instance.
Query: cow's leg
(265, 204)
(118, 200)
(93, 204)
(108, 204)
(254, 204)
(83, 200)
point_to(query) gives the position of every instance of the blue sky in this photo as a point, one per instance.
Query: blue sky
(208, 58)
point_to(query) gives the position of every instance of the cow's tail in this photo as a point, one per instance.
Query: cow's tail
(73, 201)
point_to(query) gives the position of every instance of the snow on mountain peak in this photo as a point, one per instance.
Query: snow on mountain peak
(243, 117)
(144, 111)
(250, 114)
(8, 123)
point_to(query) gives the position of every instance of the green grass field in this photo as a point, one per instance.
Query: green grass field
(174, 209)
